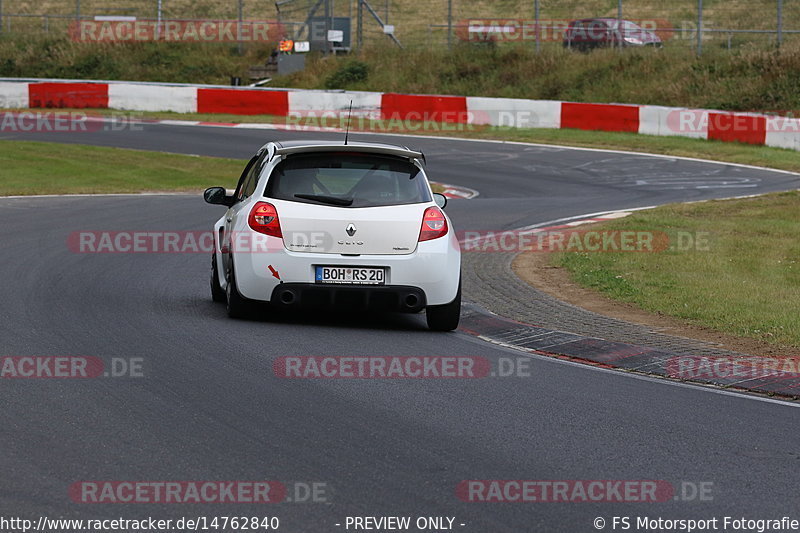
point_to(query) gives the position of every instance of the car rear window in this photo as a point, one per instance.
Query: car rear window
(348, 179)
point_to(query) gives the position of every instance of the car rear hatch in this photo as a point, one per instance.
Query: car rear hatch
(350, 201)
(388, 230)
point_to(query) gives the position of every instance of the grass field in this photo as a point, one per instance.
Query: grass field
(743, 279)
(49, 168)
(750, 79)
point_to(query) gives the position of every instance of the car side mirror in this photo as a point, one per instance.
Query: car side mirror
(217, 196)
(440, 199)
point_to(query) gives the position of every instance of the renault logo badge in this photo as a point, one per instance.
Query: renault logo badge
(351, 229)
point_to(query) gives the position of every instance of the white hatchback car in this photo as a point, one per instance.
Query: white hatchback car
(318, 224)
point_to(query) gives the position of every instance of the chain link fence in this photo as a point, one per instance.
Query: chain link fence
(439, 23)
(728, 25)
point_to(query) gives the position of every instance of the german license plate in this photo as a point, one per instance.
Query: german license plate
(351, 275)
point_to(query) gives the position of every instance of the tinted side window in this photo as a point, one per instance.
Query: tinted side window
(243, 177)
(251, 180)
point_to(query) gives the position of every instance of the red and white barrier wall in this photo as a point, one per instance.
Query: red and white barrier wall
(749, 128)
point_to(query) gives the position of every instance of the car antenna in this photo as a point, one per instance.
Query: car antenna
(349, 116)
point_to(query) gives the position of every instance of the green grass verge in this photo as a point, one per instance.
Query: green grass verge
(746, 283)
(751, 77)
(50, 168)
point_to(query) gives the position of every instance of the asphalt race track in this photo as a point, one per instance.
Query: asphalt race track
(209, 407)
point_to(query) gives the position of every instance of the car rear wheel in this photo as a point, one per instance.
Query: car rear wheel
(445, 317)
(217, 292)
(238, 305)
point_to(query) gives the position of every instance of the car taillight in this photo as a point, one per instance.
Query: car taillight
(434, 225)
(264, 219)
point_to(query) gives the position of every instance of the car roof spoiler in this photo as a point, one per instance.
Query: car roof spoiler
(399, 151)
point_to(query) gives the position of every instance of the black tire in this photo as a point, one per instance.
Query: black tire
(217, 292)
(445, 317)
(238, 306)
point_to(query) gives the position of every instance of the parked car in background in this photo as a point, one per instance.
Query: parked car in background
(586, 34)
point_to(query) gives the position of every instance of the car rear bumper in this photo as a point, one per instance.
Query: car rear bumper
(433, 268)
(394, 298)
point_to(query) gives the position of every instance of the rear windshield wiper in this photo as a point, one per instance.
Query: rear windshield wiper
(326, 199)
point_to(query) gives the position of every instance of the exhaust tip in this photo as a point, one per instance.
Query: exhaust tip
(287, 297)
(411, 301)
